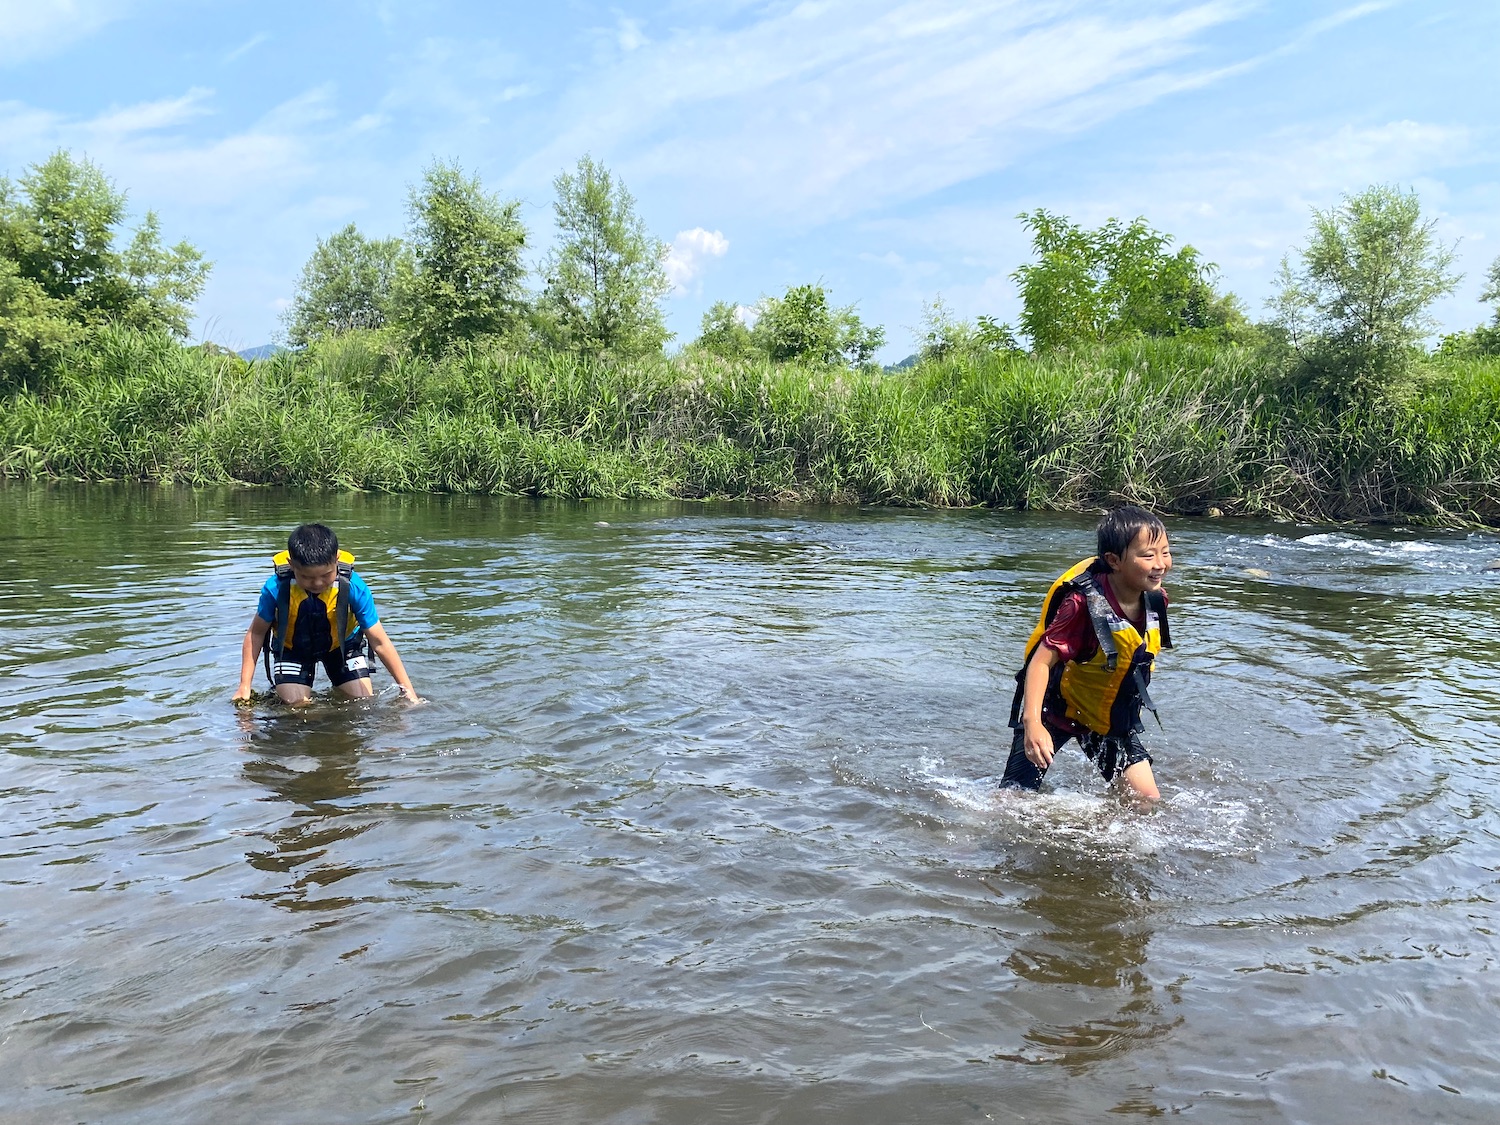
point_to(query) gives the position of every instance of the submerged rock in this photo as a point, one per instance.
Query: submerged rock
(1216, 513)
(1256, 572)
(1493, 564)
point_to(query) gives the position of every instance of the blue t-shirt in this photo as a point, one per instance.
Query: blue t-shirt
(361, 603)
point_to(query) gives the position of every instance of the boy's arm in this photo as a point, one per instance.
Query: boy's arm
(1039, 748)
(385, 649)
(255, 639)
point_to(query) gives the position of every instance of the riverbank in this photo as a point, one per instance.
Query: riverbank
(1182, 427)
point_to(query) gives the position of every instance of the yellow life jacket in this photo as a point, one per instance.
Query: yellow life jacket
(291, 597)
(1106, 692)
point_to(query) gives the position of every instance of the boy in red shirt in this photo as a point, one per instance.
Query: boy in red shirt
(1088, 662)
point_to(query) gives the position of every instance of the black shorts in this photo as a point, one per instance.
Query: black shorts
(352, 662)
(1114, 753)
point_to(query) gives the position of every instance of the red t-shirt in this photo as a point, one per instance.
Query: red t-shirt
(1071, 634)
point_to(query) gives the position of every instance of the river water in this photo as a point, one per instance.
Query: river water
(701, 824)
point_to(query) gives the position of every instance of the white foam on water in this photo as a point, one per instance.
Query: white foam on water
(1187, 823)
(1375, 547)
(1311, 558)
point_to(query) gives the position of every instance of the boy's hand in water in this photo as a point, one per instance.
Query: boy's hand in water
(1039, 748)
(244, 698)
(409, 696)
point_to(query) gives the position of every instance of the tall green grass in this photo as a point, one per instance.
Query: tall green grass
(1181, 427)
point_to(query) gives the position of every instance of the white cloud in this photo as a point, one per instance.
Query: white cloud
(455, 82)
(145, 148)
(688, 254)
(824, 109)
(37, 28)
(151, 116)
(806, 112)
(247, 46)
(630, 36)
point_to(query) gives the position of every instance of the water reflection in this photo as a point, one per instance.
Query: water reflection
(1089, 955)
(311, 760)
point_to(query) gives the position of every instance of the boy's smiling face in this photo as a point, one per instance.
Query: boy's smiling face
(315, 579)
(1143, 565)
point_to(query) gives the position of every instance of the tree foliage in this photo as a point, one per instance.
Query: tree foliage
(801, 326)
(464, 279)
(1485, 338)
(1492, 288)
(724, 332)
(62, 274)
(349, 282)
(1357, 302)
(945, 336)
(1121, 280)
(35, 329)
(605, 280)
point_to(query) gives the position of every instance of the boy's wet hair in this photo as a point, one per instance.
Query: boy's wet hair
(1118, 529)
(312, 544)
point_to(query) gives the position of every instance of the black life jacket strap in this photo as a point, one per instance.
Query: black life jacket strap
(283, 605)
(1143, 695)
(1099, 614)
(341, 604)
(265, 654)
(1015, 700)
(1156, 602)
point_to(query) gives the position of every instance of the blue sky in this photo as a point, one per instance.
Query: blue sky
(880, 147)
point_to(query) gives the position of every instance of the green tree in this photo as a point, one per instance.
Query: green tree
(858, 341)
(945, 336)
(1492, 288)
(61, 273)
(464, 278)
(724, 333)
(35, 329)
(995, 335)
(942, 335)
(348, 283)
(605, 279)
(801, 326)
(1485, 339)
(157, 284)
(1093, 286)
(1357, 303)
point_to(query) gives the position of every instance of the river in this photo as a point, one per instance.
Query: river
(700, 824)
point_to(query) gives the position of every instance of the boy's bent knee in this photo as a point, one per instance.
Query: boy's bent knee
(1141, 782)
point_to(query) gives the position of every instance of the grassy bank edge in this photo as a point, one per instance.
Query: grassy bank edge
(1185, 428)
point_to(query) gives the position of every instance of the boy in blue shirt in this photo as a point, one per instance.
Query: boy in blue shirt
(316, 610)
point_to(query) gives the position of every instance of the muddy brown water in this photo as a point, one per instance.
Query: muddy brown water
(701, 825)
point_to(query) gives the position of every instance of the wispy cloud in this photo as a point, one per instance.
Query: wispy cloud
(822, 109)
(629, 35)
(38, 28)
(247, 46)
(150, 116)
(144, 146)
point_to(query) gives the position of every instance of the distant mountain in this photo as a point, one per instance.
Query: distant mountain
(265, 351)
(909, 361)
